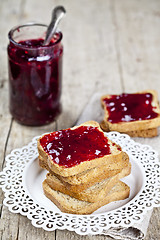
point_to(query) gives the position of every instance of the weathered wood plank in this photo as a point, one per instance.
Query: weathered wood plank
(8, 10)
(137, 28)
(9, 225)
(72, 235)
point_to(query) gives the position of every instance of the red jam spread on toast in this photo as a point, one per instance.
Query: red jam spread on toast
(130, 107)
(72, 146)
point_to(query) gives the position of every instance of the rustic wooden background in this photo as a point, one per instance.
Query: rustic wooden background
(110, 46)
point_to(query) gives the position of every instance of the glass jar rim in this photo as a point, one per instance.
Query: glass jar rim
(10, 34)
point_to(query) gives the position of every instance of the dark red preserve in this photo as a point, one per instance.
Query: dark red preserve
(130, 107)
(35, 75)
(71, 147)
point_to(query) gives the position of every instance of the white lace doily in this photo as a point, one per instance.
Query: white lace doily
(145, 196)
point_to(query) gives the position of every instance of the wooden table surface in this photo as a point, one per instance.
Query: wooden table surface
(110, 46)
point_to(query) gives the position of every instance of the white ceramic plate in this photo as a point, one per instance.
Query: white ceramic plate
(22, 179)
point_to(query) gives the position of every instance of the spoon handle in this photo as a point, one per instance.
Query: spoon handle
(57, 14)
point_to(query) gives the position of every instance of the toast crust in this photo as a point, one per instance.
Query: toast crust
(71, 205)
(92, 194)
(92, 175)
(84, 186)
(134, 125)
(144, 133)
(153, 132)
(96, 174)
(116, 155)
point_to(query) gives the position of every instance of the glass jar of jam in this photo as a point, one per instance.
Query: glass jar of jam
(35, 75)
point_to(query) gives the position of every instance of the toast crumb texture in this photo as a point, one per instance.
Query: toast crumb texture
(72, 205)
(92, 175)
(146, 133)
(92, 194)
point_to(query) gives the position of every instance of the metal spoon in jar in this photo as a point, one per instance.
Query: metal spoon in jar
(57, 15)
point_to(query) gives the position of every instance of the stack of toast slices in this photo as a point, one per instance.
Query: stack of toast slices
(140, 118)
(84, 186)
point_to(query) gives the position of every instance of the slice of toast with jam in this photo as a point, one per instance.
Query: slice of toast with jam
(137, 114)
(75, 150)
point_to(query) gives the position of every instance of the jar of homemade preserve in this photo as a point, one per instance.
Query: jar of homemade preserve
(35, 75)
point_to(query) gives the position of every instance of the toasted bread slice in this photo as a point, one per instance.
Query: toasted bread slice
(138, 133)
(43, 163)
(83, 180)
(87, 184)
(147, 133)
(92, 194)
(134, 128)
(92, 175)
(72, 205)
(114, 155)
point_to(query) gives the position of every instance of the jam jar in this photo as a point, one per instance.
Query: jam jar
(35, 75)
